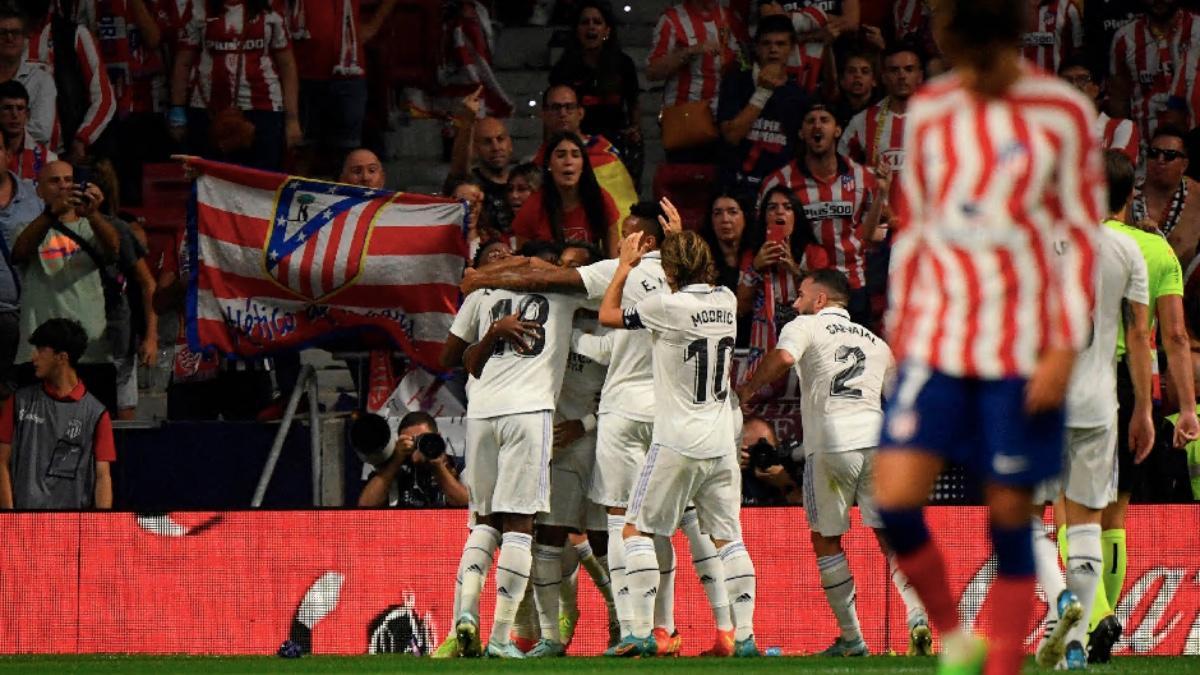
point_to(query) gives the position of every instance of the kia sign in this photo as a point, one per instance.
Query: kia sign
(355, 582)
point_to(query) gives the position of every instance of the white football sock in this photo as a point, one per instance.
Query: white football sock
(740, 584)
(512, 578)
(664, 601)
(1045, 560)
(708, 569)
(641, 576)
(597, 569)
(1085, 562)
(839, 592)
(547, 576)
(526, 623)
(616, 572)
(568, 591)
(473, 569)
(914, 608)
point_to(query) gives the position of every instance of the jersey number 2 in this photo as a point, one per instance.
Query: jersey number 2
(698, 349)
(857, 364)
(535, 308)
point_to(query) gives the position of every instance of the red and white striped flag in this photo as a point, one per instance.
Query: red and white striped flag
(283, 262)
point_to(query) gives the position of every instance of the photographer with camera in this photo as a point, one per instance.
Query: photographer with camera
(768, 472)
(410, 467)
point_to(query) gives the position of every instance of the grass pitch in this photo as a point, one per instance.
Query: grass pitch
(392, 664)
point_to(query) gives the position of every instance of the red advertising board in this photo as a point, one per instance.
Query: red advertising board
(235, 582)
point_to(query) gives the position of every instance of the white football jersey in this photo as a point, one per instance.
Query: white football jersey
(512, 382)
(1121, 275)
(582, 381)
(693, 334)
(842, 368)
(629, 387)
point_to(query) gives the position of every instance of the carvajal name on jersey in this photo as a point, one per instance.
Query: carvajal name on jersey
(712, 316)
(852, 329)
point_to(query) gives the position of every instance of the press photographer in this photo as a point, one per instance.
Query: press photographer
(406, 462)
(767, 469)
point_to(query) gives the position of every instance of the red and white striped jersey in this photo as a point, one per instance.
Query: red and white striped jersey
(32, 157)
(102, 102)
(1055, 33)
(989, 186)
(876, 135)
(683, 26)
(1118, 133)
(1155, 66)
(835, 209)
(807, 60)
(230, 48)
(910, 17)
(1184, 84)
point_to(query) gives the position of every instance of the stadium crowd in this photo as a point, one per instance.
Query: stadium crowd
(783, 126)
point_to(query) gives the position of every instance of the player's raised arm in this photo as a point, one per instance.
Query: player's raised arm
(632, 250)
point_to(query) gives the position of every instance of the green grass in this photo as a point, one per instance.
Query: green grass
(392, 664)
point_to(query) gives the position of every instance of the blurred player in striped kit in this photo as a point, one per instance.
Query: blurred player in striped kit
(1000, 165)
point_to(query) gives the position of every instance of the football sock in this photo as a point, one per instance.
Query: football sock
(664, 601)
(708, 569)
(1045, 558)
(473, 568)
(1084, 564)
(526, 624)
(740, 584)
(1099, 604)
(568, 590)
(547, 577)
(919, 559)
(641, 576)
(1113, 543)
(1011, 599)
(597, 569)
(616, 572)
(839, 593)
(512, 577)
(914, 608)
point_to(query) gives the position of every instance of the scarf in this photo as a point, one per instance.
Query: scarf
(347, 65)
(1170, 216)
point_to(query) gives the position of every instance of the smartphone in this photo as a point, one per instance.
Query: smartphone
(776, 233)
(83, 176)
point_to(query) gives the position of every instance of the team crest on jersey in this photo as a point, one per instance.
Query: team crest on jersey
(1013, 158)
(847, 182)
(318, 238)
(902, 426)
(74, 429)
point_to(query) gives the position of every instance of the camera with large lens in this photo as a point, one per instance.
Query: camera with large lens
(763, 455)
(431, 445)
(371, 438)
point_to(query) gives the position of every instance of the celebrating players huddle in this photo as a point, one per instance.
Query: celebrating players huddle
(1010, 307)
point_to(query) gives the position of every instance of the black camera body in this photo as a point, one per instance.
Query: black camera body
(763, 455)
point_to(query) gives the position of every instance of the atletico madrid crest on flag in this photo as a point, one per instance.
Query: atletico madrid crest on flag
(319, 235)
(281, 262)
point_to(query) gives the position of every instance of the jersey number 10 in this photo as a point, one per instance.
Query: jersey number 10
(699, 350)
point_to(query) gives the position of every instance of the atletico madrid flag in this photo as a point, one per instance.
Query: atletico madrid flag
(283, 262)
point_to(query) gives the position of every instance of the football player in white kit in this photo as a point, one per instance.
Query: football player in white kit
(842, 368)
(692, 458)
(1089, 482)
(626, 417)
(519, 348)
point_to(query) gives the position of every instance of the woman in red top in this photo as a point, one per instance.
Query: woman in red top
(571, 205)
(785, 248)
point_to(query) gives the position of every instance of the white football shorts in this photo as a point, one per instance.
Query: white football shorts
(835, 481)
(669, 482)
(621, 446)
(508, 463)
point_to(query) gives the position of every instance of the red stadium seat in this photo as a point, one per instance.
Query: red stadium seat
(689, 187)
